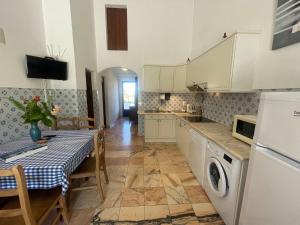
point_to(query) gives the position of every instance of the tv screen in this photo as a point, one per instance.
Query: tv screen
(45, 68)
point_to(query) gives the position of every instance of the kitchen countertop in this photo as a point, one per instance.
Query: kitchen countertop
(218, 133)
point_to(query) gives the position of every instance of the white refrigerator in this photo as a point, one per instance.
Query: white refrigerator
(272, 189)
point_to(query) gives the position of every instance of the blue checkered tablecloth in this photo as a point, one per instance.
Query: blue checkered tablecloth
(51, 167)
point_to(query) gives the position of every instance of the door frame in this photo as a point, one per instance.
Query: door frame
(125, 113)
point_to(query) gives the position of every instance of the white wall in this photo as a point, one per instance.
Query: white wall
(82, 13)
(274, 69)
(112, 97)
(58, 29)
(22, 22)
(159, 32)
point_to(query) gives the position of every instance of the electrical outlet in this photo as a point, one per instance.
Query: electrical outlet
(2, 36)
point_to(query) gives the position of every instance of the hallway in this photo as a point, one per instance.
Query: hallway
(149, 183)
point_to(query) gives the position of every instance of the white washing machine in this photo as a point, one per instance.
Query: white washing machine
(224, 180)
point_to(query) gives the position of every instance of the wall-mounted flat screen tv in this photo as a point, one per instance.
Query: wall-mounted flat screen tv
(46, 68)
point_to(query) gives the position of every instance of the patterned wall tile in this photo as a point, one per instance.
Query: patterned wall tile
(220, 108)
(73, 103)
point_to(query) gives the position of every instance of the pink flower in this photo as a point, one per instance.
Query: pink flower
(36, 98)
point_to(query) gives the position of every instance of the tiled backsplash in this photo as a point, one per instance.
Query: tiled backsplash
(151, 101)
(222, 107)
(73, 102)
(218, 107)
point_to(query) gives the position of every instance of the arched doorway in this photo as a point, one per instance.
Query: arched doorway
(119, 94)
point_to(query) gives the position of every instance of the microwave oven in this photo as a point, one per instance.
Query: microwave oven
(244, 127)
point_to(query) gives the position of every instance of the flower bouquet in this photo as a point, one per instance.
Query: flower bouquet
(36, 110)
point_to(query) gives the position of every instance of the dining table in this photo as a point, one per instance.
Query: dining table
(51, 167)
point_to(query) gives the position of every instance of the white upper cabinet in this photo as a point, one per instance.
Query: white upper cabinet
(151, 78)
(166, 78)
(228, 66)
(180, 79)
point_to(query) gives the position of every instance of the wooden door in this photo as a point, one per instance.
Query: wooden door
(116, 28)
(89, 95)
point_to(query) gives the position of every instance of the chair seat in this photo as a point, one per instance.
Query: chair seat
(40, 201)
(86, 169)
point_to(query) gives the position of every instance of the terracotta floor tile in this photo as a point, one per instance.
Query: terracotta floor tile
(181, 209)
(118, 161)
(170, 179)
(132, 170)
(153, 180)
(188, 179)
(155, 196)
(204, 209)
(153, 169)
(108, 214)
(196, 194)
(81, 216)
(156, 212)
(132, 213)
(134, 181)
(176, 195)
(133, 197)
(85, 199)
(136, 161)
(112, 199)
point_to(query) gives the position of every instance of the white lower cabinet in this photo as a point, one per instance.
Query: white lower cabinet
(197, 152)
(183, 137)
(159, 128)
(151, 128)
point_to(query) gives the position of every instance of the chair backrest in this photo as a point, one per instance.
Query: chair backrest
(99, 147)
(65, 123)
(84, 123)
(21, 191)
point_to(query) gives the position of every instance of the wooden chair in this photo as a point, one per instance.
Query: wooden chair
(65, 123)
(22, 207)
(84, 123)
(92, 166)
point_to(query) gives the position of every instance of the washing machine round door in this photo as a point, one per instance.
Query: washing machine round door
(216, 177)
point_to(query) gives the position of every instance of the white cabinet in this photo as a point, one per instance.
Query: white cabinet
(180, 79)
(166, 128)
(197, 152)
(152, 128)
(228, 66)
(151, 78)
(183, 137)
(166, 78)
(159, 128)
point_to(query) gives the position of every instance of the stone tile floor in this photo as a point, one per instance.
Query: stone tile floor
(149, 184)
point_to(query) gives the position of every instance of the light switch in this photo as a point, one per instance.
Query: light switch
(2, 36)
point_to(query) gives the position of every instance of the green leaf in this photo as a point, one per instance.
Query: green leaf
(47, 121)
(16, 103)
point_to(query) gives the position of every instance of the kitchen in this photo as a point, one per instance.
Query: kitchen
(217, 88)
(211, 116)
